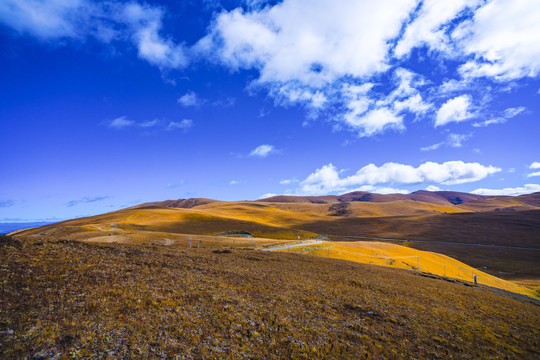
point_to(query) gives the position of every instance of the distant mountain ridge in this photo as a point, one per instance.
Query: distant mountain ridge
(433, 197)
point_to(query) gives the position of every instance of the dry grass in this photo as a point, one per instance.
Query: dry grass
(103, 301)
(402, 257)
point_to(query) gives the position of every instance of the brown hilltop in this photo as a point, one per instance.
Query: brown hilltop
(180, 203)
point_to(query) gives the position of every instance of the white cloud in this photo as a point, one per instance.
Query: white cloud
(121, 123)
(453, 140)
(526, 189)
(432, 147)
(288, 181)
(267, 195)
(145, 24)
(234, 182)
(433, 188)
(262, 150)
(535, 165)
(149, 123)
(507, 114)
(184, 124)
(374, 121)
(309, 42)
(512, 112)
(455, 109)
(45, 19)
(498, 120)
(456, 140)
(103, 21)
(327, 179)
(534, 174)
(303, 51)
(453, 85)
(378, 190)
(503, 37)
(189, 99)
(414, 104)
(429, 26)
(312, 54)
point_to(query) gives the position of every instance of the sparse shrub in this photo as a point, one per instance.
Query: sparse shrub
(225, 251)
(8, 241)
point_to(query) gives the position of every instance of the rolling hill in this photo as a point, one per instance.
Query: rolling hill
(440, 221)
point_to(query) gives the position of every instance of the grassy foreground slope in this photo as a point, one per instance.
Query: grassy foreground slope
(82, 300)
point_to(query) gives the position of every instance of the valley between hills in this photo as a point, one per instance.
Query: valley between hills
(359, 275)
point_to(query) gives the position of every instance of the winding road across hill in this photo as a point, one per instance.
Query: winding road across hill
(305, 243)
(432, 242)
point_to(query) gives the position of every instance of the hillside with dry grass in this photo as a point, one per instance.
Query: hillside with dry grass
(440, 221)
(71, 299)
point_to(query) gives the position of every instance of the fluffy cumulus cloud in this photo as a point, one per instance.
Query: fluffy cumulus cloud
(503, 38)
(137, 23)
(263, 151)
(319, 54)
(525, 189)
(325, 57)
(328, 56)
(310, 42)
(454, 110)
(328, 178)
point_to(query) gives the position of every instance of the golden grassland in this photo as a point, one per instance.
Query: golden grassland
(287, 221)
(72, 299)
(403, 257)
(266, 224)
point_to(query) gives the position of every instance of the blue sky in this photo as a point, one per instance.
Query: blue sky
(106, 104)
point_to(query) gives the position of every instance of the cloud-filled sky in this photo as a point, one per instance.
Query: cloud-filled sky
(106, 104)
